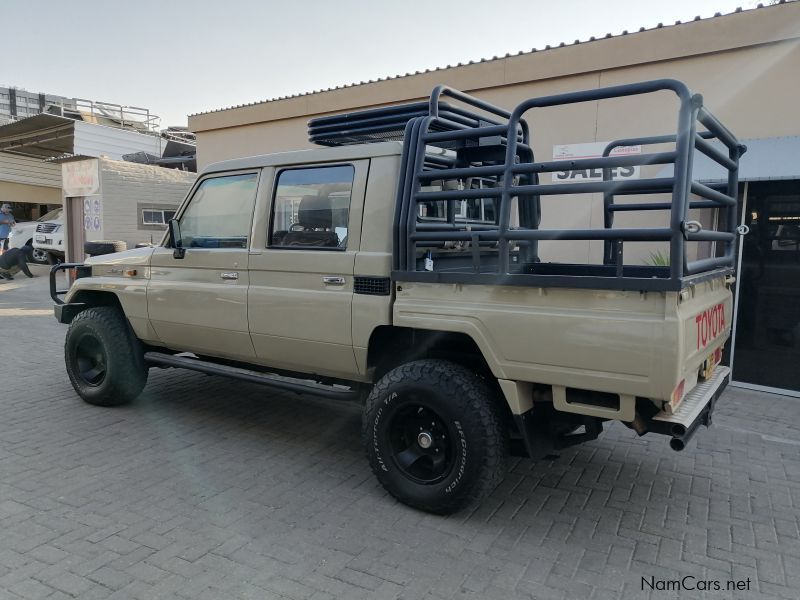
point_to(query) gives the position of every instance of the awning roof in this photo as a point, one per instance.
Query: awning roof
(765, 159)
(40, 136)
(770, 158)
(47, 136)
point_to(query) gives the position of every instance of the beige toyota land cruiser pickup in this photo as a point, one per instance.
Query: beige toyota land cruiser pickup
(414, 275)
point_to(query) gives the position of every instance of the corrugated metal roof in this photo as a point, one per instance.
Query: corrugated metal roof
(67, 159)
(28, 171)
(472, 62)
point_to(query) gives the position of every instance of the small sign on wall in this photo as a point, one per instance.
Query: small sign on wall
(80, 177)
(92, 214)
(568, 152)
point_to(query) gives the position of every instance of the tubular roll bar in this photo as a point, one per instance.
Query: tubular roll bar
(501, 151)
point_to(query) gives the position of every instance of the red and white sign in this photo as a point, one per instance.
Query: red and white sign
(710, 324)
(81, 177)
(592, 150)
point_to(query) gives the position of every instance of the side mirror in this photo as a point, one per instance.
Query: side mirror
(175, 239)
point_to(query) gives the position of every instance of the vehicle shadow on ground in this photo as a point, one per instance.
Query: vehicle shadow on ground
(255, 421)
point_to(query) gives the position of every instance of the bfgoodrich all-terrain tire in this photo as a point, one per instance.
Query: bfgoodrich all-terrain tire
(105, 361)
(433, 436)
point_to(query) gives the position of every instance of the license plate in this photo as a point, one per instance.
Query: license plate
(710, 363)
(40, 238)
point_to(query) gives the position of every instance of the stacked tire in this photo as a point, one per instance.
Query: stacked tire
(101, 247)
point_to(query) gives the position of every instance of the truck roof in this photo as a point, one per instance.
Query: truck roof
(312, 155)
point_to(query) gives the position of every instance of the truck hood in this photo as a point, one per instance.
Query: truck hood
(26, 227)
(137, 257)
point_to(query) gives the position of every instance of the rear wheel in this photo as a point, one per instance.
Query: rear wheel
(433, 436)
(105, 361)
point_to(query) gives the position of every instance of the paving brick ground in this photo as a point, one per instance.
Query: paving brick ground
(210, 489)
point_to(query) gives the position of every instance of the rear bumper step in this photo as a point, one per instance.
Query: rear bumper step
(291, 384)
(695, 410)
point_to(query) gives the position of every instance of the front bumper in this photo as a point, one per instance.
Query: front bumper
(65, 312)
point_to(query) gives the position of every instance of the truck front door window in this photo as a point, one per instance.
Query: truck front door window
(220, 212)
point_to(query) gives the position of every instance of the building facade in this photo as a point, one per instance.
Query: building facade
(38, 126)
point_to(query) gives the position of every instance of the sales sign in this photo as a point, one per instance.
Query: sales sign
(567, 152)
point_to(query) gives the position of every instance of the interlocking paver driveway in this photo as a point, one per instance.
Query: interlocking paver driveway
(209, 488)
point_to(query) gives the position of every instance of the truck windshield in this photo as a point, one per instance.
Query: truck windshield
(53, 215)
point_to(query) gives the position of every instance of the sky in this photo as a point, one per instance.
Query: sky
(179, 58)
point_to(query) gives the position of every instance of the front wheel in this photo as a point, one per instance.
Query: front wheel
(39, 256)
(104, 360)
(433, 436)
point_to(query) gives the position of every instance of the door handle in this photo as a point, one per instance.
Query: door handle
(333, 280)
(233, 275)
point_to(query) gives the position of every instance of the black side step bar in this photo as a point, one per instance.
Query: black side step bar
(280, 382)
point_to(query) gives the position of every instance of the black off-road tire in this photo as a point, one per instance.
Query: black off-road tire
(463, 415)
(102, 247)
(104, 359)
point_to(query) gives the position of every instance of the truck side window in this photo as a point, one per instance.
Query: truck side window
(311, 208)
(473, 210)
(220, 212)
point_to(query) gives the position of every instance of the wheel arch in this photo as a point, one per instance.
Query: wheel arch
(92, 298)
(83, 300)
(390, 346)
(129, 296)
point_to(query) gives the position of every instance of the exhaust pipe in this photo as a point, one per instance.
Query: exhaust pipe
(677, 444)
(681, 435)
(695, 410)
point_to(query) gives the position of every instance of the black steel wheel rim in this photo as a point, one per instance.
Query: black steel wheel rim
(90, 359)
(421, 443)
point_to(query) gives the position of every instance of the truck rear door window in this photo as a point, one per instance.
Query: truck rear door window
(311, 208)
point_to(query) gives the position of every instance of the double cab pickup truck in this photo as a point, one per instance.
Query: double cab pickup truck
(402, 264)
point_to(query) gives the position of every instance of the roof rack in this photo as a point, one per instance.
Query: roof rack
(389, 122)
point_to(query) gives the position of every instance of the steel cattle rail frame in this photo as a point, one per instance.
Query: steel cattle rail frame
(483, 161)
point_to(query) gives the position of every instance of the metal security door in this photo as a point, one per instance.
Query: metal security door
(766, 348)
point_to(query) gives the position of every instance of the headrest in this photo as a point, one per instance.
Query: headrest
(315, 212)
